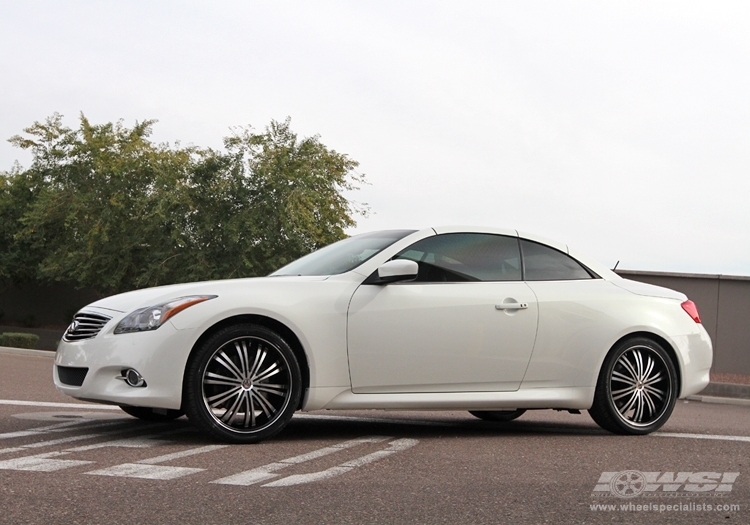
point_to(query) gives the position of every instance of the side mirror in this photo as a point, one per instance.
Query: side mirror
(398, 270)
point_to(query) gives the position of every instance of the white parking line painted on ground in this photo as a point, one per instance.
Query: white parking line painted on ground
(183, 454)
(41, 463)
(139, 470)
(256, 475)
(147, 468)
(41, 430)
(59, 441)
(146, 441)
(745, 439)
(47, 404)
(298, 479)
(49, 443)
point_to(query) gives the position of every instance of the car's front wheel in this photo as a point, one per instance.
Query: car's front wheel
(637, 388)
(243, 384)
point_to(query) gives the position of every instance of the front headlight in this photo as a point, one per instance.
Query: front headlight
(152, 317)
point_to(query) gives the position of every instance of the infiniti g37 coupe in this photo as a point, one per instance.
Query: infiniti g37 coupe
(491, 321)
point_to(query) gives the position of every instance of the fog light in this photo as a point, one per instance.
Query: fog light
(133, 378)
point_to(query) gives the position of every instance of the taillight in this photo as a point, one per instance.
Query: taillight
(692, 310)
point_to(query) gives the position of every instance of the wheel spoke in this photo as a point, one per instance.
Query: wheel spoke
(260, 356)
(653, 379)
(629, 367)
(638, 364)
(268, 372)
(252, 409)
(218, 399)
(649, 402)
(263, 403)
(626, 407)
(619, 394)
(216, 379)
(638, 415)
(617, 376)
(227, 363)
(649, 367)
(279, 390)
(229, 414)
(241, 347)
(655, 391)
(220, 382)
(248, 410)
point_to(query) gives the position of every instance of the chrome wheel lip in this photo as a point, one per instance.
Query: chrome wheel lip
(640, 383)
(246, 380)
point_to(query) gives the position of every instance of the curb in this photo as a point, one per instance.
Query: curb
(720, 400)
(726, 390)
(26, 351)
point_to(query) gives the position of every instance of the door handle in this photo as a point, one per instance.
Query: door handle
(511, 306)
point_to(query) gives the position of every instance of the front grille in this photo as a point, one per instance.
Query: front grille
(85, 325)
(71, 375)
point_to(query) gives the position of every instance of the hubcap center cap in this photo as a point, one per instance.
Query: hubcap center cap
(247, 385)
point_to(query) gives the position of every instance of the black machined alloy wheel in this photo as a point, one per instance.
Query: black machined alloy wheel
(637, 388)
(243, 384)
(498, 415)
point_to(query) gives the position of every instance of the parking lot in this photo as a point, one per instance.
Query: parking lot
(62, 461)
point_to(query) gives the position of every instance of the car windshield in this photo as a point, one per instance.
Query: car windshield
(344, 255)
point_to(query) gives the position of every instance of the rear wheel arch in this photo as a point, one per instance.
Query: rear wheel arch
(280, 328)
(660, 341)
(637, 386)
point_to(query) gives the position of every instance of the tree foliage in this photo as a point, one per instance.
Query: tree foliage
(105, 208)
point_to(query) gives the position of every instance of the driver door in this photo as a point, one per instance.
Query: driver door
(467, 323)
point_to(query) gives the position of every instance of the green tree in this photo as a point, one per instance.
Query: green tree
(19, 257)
(105, 208)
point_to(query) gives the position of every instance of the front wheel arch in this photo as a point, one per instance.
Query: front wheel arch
(272, 324)
(243, 385)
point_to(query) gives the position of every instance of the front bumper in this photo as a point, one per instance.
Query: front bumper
(160, 356)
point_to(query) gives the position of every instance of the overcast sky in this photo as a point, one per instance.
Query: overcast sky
(621, 128)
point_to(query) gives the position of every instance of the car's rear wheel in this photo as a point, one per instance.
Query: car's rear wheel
(637, 388)
(497, 415)
(243, 384)
(152, 414)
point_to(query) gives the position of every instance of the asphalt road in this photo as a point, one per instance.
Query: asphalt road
(94, 464)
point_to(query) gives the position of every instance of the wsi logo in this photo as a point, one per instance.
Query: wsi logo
(632, 483)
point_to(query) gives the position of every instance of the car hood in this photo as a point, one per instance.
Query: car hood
(130, 301)
(649, 290)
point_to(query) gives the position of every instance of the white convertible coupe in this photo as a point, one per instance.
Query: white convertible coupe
(486, 320)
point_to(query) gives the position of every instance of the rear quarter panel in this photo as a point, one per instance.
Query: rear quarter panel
(580, 321)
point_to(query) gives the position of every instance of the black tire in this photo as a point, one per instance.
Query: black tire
(153, 414)
(637, 388)
(497, 415)
(242, 385)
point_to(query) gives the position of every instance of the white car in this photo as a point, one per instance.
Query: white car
(486, 320)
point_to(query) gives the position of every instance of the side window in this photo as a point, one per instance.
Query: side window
(457, 257)
(542, 263)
